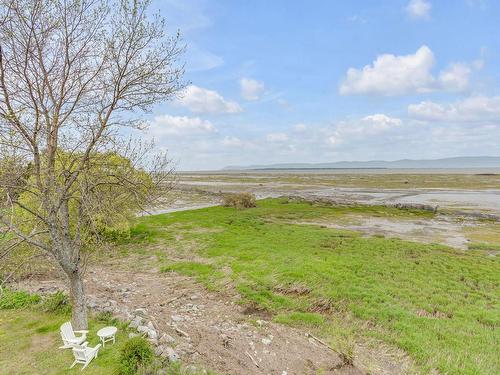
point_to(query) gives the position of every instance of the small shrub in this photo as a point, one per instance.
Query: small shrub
(57, 303)
(17, 299)
(239, 200)
(135, 356)
(107, 318)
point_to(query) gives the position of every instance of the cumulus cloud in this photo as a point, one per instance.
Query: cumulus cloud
(419, 9)
(277, 137)
(251, 89)
(166, 125)
(455, 77)
(201, 100)
(391, 75)
(472, 109)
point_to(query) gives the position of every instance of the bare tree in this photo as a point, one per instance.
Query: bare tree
(72, 73)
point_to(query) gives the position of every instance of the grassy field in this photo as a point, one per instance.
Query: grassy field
(29, 342)
(438, 304)
(354, 180)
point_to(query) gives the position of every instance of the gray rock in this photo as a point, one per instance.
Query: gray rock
(143, 329)
(171, 354)
(266, 341)
(142, 312)
(177, 318)
(159, 350)
(152, 334)
(167, 339)
(132, 334)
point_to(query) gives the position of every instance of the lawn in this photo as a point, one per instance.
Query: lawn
(438, 304)
(29, 342)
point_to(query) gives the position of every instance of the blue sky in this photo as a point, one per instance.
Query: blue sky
(319, 81)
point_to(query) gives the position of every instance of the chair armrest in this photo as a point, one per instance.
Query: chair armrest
(78, 340)
(85, 344)
(82, 331)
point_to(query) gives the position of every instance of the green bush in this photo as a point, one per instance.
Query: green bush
(135, 355)
(17, 299)
(57, 303)
(239, 200)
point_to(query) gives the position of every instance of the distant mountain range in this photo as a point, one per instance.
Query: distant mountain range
(447, 163)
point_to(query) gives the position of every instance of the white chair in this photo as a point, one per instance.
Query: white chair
(69, 338)
(84, 355)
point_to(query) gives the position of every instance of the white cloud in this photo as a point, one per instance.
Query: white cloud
(277, 137)
(419, 9)
(166, 125)
(472, 109)
(201, 100)
(392, 75)
(455, 78)
(398, 75)
(380, 122)
(251, 89)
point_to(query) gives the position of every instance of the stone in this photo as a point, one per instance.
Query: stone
(159, 350)
(177, 318)
(132, 334)
(171, 354)
(142, 312)
(143, 329)
(136, 322)
(266, 341)
(152, 334)
(167, 339)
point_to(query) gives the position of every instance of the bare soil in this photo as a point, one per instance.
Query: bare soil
(212, 330)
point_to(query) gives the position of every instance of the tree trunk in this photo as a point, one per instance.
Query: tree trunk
(79, 305)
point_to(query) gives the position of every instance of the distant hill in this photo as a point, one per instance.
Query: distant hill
(447, 163)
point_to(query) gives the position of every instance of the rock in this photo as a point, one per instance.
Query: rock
(159, 350)
(136, 322)
(194, 297)
(171, 354)
(142, 312)
(151, 325)
(167, 339)
(132, 334)
(261, 322)
(152, 334)
(266, 341)
(143, 329)
(177, 318)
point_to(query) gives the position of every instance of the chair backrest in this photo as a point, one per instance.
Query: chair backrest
(80, 353)
(67, 331)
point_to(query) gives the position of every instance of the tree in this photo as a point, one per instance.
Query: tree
(72, 73)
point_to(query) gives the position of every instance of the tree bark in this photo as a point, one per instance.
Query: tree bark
(78, 301)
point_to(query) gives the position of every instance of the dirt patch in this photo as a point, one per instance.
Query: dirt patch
(211, 329)
(439, 230)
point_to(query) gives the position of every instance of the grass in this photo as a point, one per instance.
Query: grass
(29, 342)
(438, 304)
(361, 180)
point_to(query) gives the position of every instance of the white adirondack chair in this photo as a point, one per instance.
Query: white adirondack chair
(69, 338)
(84, 355)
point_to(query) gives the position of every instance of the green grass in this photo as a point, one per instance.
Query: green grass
(438, 304)
(29, 342)
(355, 180)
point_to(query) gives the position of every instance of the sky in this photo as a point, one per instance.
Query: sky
(323, 81)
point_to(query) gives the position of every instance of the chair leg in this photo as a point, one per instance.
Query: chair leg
(85, 365)
(73, 365)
